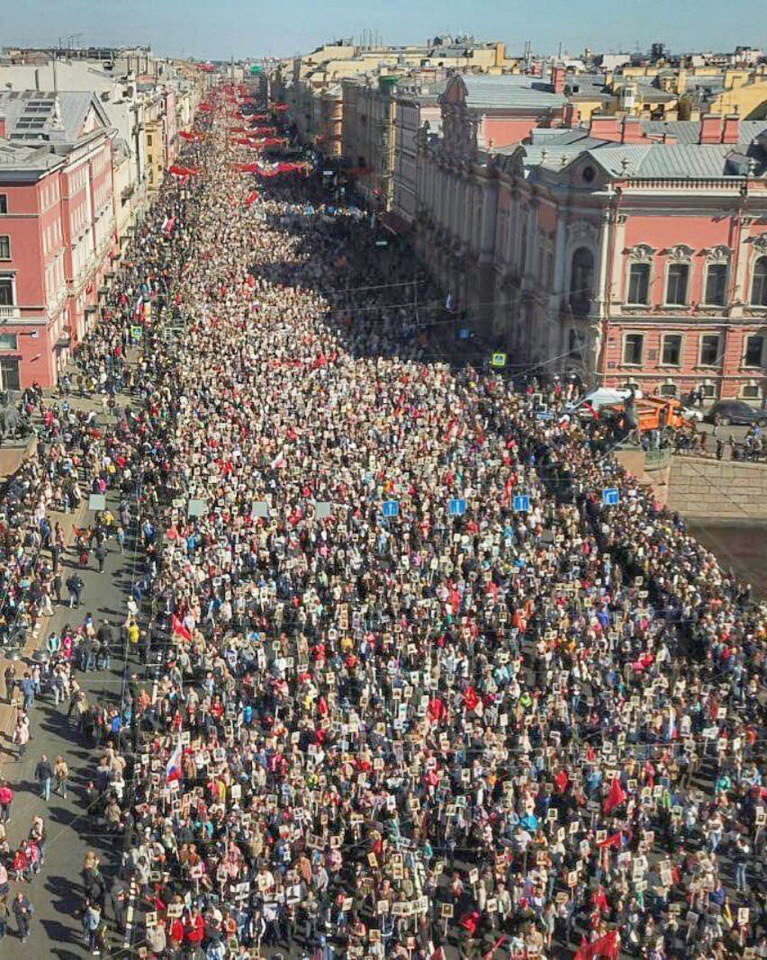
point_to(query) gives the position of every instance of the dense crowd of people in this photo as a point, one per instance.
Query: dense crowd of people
(422, 686)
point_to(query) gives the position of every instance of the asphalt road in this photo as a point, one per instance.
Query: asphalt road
(56, 892)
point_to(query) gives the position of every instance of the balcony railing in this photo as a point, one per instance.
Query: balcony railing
(9, 313)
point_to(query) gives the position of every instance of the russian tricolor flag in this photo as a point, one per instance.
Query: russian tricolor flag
(173, 769)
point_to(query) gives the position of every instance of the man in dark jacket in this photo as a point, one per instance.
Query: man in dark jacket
(44, 776)
(22, 911)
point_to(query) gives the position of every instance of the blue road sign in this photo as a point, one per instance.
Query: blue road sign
(610, 496)
(457, 508)
(544, 415)
(391, 508)
(522, 503)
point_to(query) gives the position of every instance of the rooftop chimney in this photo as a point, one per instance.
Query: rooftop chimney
(570, 115)
(558, 79)
(3, 129)
(604, 127)
(631, 130)
(37, 80)
(731, 131)
(710, 128)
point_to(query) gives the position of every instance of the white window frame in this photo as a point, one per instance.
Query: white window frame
(760, 252)
(761, 363)
(751, 385)
(626, 335)
(664, 363)
(718, 362)
(641, 253)
(12, 278)
(717, 257)
(681, 254)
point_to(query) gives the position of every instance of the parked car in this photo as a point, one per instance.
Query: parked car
(736, 412)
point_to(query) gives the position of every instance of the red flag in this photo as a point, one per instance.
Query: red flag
(180, 629)
(614, 841)
(470, 698)
(437, 710)
(605, 947)
(615, 797)
(183, 171)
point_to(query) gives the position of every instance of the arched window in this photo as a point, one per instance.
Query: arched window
(582, 280)
(759, 284)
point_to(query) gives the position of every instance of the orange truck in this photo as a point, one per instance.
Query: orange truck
(656, 413)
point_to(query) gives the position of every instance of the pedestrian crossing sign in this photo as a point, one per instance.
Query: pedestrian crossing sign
(498, 360)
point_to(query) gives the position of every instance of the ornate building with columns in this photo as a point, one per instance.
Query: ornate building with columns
(626, 251)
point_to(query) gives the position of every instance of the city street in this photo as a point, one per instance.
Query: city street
(431, 673)
(56, 892)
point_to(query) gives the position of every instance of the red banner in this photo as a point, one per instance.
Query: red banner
(183, 171)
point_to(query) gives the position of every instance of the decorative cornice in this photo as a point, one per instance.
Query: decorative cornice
(680, 253)
(718, 254)
(641, 253)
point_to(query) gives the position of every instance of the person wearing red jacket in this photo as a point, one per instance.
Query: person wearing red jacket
(6, 799)
(194, 927)
(177, 933)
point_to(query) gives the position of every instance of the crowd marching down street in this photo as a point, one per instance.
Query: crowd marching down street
(425, 690)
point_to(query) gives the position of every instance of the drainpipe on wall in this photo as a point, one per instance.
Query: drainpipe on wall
(613, 211)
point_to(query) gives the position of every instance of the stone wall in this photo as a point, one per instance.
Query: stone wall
(718, 489)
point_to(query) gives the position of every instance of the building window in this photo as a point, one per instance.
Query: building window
(709, 350)
(672, 350)
(716, 284)
(754, 356)
(9, 374)
(708, 390)
(3, 203)
(633, 348)
(759, 284)
(750, 391)
(6, 292)
(9, 341)
(676, 284)
(578, 344)
(581, 280)
(639, 283)
(668, 390)
(5, 248)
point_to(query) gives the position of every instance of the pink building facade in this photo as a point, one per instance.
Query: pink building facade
(626, 252)
(57, 229)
